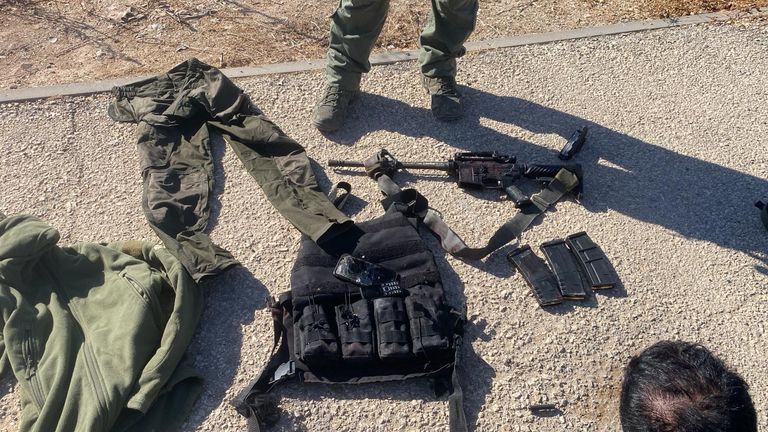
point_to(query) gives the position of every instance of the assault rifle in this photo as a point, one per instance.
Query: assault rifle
(476, 170)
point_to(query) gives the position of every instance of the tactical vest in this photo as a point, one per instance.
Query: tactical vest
(325, 332)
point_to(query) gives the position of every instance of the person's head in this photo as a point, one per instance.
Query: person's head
(682, 387)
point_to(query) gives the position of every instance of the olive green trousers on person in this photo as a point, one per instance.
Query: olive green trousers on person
(356, 25)
(176, 113)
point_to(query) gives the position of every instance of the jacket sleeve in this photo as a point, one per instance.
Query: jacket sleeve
(6, 306)
(186, 307)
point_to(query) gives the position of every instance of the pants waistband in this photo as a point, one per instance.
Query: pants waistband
(178, 78)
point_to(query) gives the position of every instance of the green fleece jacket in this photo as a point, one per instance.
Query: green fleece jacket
(95, 334)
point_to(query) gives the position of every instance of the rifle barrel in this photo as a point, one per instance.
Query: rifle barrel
(344, 163)
(439, 166)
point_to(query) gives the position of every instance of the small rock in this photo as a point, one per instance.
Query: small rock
(129, 14)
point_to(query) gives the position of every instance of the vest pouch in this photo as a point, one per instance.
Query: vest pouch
(373, 350)
(426, 324)
(391, 328)
(355, 331)
(317, 342)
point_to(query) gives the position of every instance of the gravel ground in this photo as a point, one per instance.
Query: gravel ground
(675, 157)
(49, 42)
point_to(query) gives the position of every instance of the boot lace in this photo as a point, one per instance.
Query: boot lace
(447, 87)
(334, 96)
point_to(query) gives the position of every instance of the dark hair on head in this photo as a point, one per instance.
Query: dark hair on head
(683, 387)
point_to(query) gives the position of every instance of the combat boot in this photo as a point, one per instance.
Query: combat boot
(446, 99)
(333, 107)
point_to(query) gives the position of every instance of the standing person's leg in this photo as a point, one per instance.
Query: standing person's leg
(355, 26)
(442, 41)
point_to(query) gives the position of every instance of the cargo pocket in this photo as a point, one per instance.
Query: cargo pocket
(176, 201)
(155, 145)
(297, 169)
(355, 331)
(426, 326)
(317, 342)
(391, 328)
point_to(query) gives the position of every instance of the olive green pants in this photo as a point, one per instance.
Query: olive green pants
(356, 25)
(176, 113)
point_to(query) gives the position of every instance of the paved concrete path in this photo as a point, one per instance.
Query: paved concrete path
(675, 158)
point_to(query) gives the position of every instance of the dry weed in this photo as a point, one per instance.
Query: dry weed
(671, 8)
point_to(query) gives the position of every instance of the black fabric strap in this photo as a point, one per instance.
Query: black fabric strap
(313, 335)
(390, 315)
(253, 402)
(414, 205)
(340, 193)
(387, 185)
(307, 320)
(392, 337)
(457, 420)
(425, 332)
(355, 336)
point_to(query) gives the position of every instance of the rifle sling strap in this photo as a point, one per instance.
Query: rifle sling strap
(340, 193)
(416, 207)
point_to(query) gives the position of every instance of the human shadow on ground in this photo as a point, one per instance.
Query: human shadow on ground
(475, 374)
(694, 198)
(230, 299)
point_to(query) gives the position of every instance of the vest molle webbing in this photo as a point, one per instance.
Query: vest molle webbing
(328, 333)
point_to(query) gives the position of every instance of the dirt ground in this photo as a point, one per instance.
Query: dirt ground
(53, 42)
